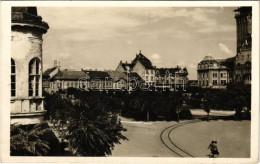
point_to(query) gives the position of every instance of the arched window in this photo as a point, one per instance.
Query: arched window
(13, 80)
(34, 77)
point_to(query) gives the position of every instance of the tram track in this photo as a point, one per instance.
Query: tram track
(166, 140)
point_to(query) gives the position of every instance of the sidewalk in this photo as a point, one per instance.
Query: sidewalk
(201, 112)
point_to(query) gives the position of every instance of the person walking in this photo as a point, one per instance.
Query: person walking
(214, 149)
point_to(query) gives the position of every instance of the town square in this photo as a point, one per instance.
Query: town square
(131, 82)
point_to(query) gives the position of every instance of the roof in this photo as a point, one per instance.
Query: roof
(48, 71)
(115, 75)
(229, 62)
(125, 65)
(143, 60)
(162, 71)
(133, 75)
(28, 16)
(97, 74)
(69, 75)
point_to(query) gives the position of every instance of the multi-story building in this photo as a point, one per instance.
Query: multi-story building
(56, 79)
(140, 65)
(157, 77)
(63, 79)
(26, 66)
(242, 69)
(215, 73)
(171, 77)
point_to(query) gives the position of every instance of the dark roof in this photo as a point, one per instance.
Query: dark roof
(46, 73)
(69, 75)
(143, 60)
(117, 75)
(96, 74)
(229, 62)
(162, 71)
(28, 15)
(208, 59)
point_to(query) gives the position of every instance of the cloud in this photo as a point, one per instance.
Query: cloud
(225, 49)
(156, 59)
(63, 56)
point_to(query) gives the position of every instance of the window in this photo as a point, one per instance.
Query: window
(167, 80)
(223, 82)
(12, 78)
(215, 74)
(215, 82)
(146, 78)
(151, 78)
(223, 74)
(34, 77)
(147, 71)
(157, 79)
(151, 71)
(207, 82)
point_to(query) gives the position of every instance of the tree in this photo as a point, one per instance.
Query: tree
(28, 141)
(92, 122)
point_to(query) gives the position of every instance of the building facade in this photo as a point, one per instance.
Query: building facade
(56, 79)
(171, 77)
(215, 73)
(140, 65)
(26, 65)
(155, 77)
(243, 57)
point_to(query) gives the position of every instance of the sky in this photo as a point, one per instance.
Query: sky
(99, 37)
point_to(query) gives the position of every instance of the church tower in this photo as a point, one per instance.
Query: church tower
(243, 18)
(26, 65)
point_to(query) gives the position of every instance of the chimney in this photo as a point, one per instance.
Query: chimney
(55, 63)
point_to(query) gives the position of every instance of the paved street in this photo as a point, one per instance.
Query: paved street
(144, 138)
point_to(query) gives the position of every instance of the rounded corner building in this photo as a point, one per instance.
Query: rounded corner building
(26, 66)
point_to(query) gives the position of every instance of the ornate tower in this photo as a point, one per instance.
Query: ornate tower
(26, 66)
(244, 43)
